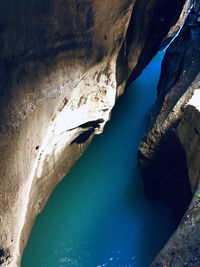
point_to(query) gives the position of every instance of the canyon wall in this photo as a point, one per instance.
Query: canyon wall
(169, 154)
(62, 65)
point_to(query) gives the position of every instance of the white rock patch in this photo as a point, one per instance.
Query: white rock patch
(195, 100)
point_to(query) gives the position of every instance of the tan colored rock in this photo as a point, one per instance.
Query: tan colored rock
(62, 64)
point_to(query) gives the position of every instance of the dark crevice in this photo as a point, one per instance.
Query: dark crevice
(94, 124)
(4, 256)
(83, 137)
(88, 130)
(172, 68)
(160, 26)
(166, 175)
(161, 22)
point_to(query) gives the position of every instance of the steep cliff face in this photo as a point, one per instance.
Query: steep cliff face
(169, 155)
(62, 64)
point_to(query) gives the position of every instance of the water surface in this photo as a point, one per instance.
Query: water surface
(99, 216)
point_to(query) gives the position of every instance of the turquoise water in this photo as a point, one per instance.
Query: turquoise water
(99, 216)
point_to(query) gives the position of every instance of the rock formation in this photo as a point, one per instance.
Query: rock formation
(62, 64)
(169, 155)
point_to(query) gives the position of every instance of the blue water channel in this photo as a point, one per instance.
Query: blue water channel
(98, 216)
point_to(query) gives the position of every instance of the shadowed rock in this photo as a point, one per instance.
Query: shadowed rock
(169, 155)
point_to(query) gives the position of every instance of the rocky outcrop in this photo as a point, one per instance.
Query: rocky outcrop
(62, 64)
(169, 155)
(144, 36)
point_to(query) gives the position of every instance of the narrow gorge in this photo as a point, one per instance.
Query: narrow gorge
(99, 216)
(63, 65)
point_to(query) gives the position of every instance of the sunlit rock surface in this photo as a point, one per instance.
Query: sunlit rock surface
(62, 64)
(169, 155)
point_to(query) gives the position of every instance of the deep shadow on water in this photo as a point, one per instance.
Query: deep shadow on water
(99, 216)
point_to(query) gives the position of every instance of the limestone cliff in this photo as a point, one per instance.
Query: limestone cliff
(62, 64)
(169, 155)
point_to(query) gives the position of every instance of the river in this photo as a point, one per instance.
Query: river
(98, 216)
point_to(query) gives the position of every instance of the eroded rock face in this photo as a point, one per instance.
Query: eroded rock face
(183, 248)
(62, 64)
(169, 155)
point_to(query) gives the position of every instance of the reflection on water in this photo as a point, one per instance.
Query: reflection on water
(98, 216)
